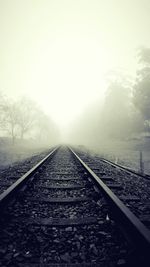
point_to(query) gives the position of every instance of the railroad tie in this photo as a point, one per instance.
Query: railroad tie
(102, 264)
(107, 178)
(60, 200)
(63, 187)
(130, 198)
(62, 179)
(63, 221)
(114, 186)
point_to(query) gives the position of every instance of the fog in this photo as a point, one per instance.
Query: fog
(75, 72)
(122, 119)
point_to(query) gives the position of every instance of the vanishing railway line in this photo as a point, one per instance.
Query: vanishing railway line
(60, 213)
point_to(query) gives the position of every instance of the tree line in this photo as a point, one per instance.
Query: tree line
(125, 112)
(23, 118)
(127, 103)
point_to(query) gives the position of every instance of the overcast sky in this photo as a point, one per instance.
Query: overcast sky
(58, 51)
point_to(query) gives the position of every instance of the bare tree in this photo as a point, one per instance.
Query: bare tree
(24, 118)
(27, 116)
(17, 118)
(9, 117)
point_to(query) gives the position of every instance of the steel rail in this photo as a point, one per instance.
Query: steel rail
(146, 176)
(133, 227)
(14, 188)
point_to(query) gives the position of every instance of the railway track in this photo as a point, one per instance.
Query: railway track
(131, 187)
(60, 213)
(14, 171)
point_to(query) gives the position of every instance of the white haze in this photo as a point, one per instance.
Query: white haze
(59, 52)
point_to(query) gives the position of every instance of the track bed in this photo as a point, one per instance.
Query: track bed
(61, 219)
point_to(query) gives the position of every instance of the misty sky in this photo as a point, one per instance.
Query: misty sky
(59, 51)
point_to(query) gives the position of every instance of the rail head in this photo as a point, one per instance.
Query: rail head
(12, 189)
(135, 229)
(126, 169)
